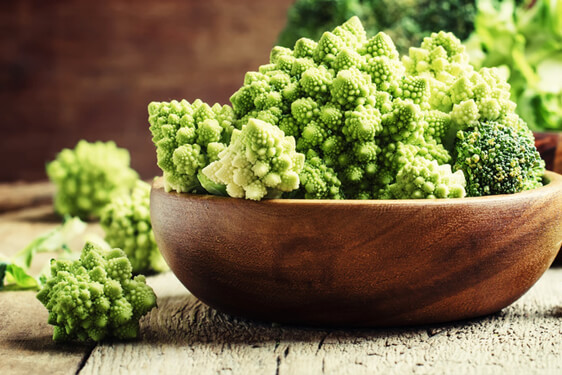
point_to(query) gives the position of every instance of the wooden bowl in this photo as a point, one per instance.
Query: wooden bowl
(359, 263)
(549, 145)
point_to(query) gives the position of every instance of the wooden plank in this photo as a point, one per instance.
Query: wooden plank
(26, 346)
(183, 335)
(14, 196)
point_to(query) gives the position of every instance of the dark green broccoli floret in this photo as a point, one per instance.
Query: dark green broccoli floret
(95, 297)
(498, 159)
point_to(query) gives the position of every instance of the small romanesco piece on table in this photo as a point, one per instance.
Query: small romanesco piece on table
(260, 161)
(95, 297)
(126, 222)
(88, 176)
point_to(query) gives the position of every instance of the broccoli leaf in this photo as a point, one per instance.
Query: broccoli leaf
(14, 277)
(3, 267)
(210, 186)
(527, 39)
(54, 240)
(14, 271)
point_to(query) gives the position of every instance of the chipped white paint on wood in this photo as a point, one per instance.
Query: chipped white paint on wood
(183, 335)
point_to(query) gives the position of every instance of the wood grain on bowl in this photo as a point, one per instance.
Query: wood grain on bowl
(359, 263)
(549, 145)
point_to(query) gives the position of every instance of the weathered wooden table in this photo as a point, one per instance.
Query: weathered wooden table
(184, 336)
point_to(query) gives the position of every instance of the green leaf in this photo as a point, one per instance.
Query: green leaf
(550, 74)
(14, 272)
(16, 278)
(210, 186)
(53, 240)
(3, 267)
(526, 38)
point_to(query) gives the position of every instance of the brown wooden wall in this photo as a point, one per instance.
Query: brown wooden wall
(72, 69)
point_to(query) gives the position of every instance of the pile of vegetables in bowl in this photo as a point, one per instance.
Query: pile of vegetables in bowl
(347, 128)
(346, 117)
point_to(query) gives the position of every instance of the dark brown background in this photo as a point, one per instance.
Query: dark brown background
(72, 69)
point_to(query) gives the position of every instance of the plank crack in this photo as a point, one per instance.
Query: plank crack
(84, 359)
(321, 343)
(278, 365)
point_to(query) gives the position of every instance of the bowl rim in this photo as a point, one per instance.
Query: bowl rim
(551, 181)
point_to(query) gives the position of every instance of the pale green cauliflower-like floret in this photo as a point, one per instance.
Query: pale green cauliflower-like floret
(95, 297)
(260, 161)
(188, 136)
(88, 176)
(379, 45)
(126, 222)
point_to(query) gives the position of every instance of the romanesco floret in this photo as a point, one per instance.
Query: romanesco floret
(260, 161)
(126, 223)
(95, 297)
(188, 137)
(88, 176)
(498, 159)
(369, 119)
(424, 178)
(318, 180)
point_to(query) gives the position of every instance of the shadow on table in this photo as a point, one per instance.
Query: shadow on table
(39, 214)
(184, 320)
(45, 344)
(555, 312)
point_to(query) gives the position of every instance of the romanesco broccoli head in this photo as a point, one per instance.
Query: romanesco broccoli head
(498, 159)
(126, 222)
(95, 297)
(260, 161)
(318, 181)
(188, 136)
(88, 176)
